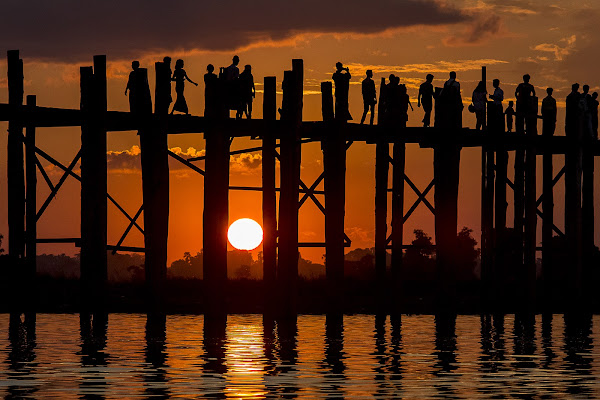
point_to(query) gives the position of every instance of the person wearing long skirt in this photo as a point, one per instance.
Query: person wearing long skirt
(179, 76)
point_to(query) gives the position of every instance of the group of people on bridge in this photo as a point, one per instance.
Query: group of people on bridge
(236, 91)
(233, 88)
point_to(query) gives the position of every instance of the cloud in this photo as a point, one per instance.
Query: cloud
(128, 161)
(560, 52)
(425, 68)
(73, 30)
(479, 31)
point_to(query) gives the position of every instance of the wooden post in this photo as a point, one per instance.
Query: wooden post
(216, 213)
(587, 217)
(548, 217)
(155, 179)
(14, 165)
(573, 212)
(399, 156)
(269, 199)
(500, 216)
(334, 163)
(93, 183)
(519, 204)
(382, 157)
(289, 183)
(530, 240)
(31, 203)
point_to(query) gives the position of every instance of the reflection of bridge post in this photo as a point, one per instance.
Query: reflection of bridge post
(290, 181)
(93, 182)
(269, 197)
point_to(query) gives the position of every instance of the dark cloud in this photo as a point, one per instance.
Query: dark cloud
(72, 30)
(478, 31)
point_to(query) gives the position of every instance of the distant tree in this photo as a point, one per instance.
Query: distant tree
(466, 254)
(243, 272)
(190, 267)
(418, 259)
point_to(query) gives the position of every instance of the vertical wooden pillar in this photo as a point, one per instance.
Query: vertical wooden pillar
(31, 203)
(530, 240)
(216, 213)
(519, 205)
(93, 183)
(446, 164)
(399, 156)
(382, 157)
(334, 163)
(155, 178)
(573, 212)
(14, 167)
(269, 199)
(587, 216)
(289, 183)
(548, 219)
(500, 216)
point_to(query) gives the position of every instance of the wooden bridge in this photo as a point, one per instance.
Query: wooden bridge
(282, 139)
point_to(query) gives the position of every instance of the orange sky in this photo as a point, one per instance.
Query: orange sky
(549, 40)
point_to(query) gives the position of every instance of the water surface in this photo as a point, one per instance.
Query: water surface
(127, 356)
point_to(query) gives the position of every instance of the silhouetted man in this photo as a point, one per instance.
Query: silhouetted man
(495, 108)
(450, 104)
(210, 92)
(247, 92)
(425, 97)
(586, 99)
(524, 94)
(573, 111)
(131, 85)
(369, 96)
(548, 114)
(510, 113)
(232, 72)
(341, 78)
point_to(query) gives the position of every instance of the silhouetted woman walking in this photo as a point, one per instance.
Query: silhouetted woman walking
(179, 76)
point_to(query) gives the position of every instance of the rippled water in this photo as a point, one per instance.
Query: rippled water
(313, 357)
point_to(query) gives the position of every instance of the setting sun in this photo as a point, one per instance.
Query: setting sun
(245, 234)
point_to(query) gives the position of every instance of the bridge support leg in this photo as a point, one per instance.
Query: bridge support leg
(287, 273)
(31, 206)
(382, 162)
(15, 174)
(399, 156)
(269, 199)
(487, 224)
(587, 219)
(446, 164)
(334, 162)
(93, 184)
(547, 223)
(530, 237)
(500, 215)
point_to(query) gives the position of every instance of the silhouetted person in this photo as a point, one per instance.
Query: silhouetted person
(450, 104)
(233, 72)
(392, 102)
(479, 102)
(594, 113)
(247, 93)
(179, 76)
(404, 104)
(510, 113)
(425, 97)
(131, 85)
(524, 94)
(211, 94)
(572, 111)
(586, 99)
(369, 97)
(548, 113)
(341, 78)
(495, 107)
